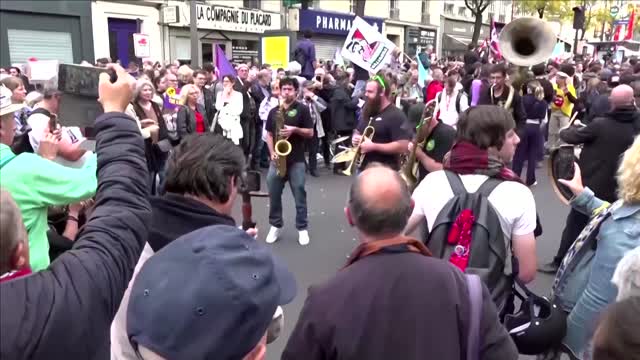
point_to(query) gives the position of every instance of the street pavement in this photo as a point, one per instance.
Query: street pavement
(332, 239)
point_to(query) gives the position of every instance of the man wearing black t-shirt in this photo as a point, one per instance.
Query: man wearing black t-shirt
(503, 95)
(298, 126)
(391, 138)
(431, 155)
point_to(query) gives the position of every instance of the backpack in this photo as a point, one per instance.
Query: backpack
(458, 97)
(21, 142)
(300, 56)
(484, 252)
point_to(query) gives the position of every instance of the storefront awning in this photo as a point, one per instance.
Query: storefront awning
(456, 42)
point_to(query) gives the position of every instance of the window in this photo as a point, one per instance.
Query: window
(251, 4)
(492, 7)
(501, 17)
(490, 16)
(42, 45)
(448, 9)
(352, 6)
(462, 11)
(393, 4)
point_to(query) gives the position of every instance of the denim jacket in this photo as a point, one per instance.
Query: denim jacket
(585, 288)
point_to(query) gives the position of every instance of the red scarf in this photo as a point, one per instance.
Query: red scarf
(14, 274)
(369, 248)
(466, 158)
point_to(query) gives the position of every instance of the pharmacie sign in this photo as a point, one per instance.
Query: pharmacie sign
(217, 17)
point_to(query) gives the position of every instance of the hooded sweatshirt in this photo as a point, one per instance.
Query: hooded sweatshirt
(173, 216)
(37, 183)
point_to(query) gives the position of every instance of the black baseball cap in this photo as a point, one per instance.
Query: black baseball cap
(210, 294)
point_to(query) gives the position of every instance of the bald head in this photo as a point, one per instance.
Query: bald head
(621, 96)
(380, 203)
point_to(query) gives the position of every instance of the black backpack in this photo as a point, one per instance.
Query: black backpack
(487, 251)
(21, 142)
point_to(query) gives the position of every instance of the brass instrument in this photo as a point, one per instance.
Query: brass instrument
(525, 42)
(281, 146)
(353, 154)
(409, 170)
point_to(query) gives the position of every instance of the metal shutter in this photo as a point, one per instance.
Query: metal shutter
(326, 46)
(42, 45)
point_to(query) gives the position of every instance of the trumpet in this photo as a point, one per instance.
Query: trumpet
(409, 170)
(282, 146)
(353, 154)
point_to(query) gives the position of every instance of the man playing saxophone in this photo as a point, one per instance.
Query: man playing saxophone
(295, 127)
(391, 138)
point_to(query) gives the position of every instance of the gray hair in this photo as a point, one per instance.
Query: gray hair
(294, 68)
(140, 84)
(627, 275)
(12, 231)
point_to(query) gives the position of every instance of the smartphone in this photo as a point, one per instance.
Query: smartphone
(81, 80)
(53, 123)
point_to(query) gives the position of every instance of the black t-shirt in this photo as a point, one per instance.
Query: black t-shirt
(390, 126)
(437, 145)
(296, 115)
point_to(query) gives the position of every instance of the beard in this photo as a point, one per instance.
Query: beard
(372, 107)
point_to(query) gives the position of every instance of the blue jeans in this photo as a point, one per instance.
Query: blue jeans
(296, 178)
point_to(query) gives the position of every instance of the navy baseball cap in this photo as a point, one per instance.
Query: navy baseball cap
(210, 294)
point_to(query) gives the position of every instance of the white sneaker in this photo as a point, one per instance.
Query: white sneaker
(273, 235)
(303, 237)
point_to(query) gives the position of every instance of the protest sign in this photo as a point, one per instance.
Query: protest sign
(366, 47)
(141, 45)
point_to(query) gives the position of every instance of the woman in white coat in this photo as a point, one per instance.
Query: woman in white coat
(229, 107)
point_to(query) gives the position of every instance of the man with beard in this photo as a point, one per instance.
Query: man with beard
(390, 139)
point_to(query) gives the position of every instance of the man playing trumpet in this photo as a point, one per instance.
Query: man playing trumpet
(390, 138)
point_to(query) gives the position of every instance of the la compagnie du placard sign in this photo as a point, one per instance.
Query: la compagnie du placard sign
(217, 17)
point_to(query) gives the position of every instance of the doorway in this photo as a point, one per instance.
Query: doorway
(121, 40)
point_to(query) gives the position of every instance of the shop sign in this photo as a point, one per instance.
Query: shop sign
(323, 22)
(217, 17)
(422, 37)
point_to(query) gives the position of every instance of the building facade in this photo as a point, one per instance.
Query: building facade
(45, 30)
(115, 23)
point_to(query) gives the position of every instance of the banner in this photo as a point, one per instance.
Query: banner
(223, 65)
(275, 51)
(366, 47)
(141, 45)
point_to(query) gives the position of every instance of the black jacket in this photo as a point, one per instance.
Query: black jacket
(186, 121)
(176, 215)
(244, 90)
(156, 157)
(395, 305)
(209, 105)
(343, 110)
(65, 311)
(604, 139)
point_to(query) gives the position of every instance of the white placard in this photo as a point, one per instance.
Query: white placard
(43, 70)
(366, 47)
(141, 45)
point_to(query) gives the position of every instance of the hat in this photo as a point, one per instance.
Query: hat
(6, 106)
(562, 74)
(209, 294)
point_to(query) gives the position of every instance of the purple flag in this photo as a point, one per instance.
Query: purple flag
(223, 65)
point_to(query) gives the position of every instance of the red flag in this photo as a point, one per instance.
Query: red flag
(616, 35)
(629, 35)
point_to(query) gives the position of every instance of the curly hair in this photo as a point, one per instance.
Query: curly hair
(629, 174)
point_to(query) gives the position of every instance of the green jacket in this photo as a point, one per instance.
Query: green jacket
(37, 183)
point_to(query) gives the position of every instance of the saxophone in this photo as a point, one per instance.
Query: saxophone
(409, 170)
(281, 146)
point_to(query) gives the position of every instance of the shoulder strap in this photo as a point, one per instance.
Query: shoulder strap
(440, 96)
(455, 182)
(475, 301)
(488, 186)
(458, 97)
(7, 160)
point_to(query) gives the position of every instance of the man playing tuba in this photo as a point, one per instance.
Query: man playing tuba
(502, 94)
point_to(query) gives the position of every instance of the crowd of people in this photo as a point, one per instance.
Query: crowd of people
(130, 250)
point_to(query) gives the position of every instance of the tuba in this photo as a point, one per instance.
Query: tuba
(524, 42)
(281, 146)
(409, 170)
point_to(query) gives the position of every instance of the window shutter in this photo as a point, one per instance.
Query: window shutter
(42, 45)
